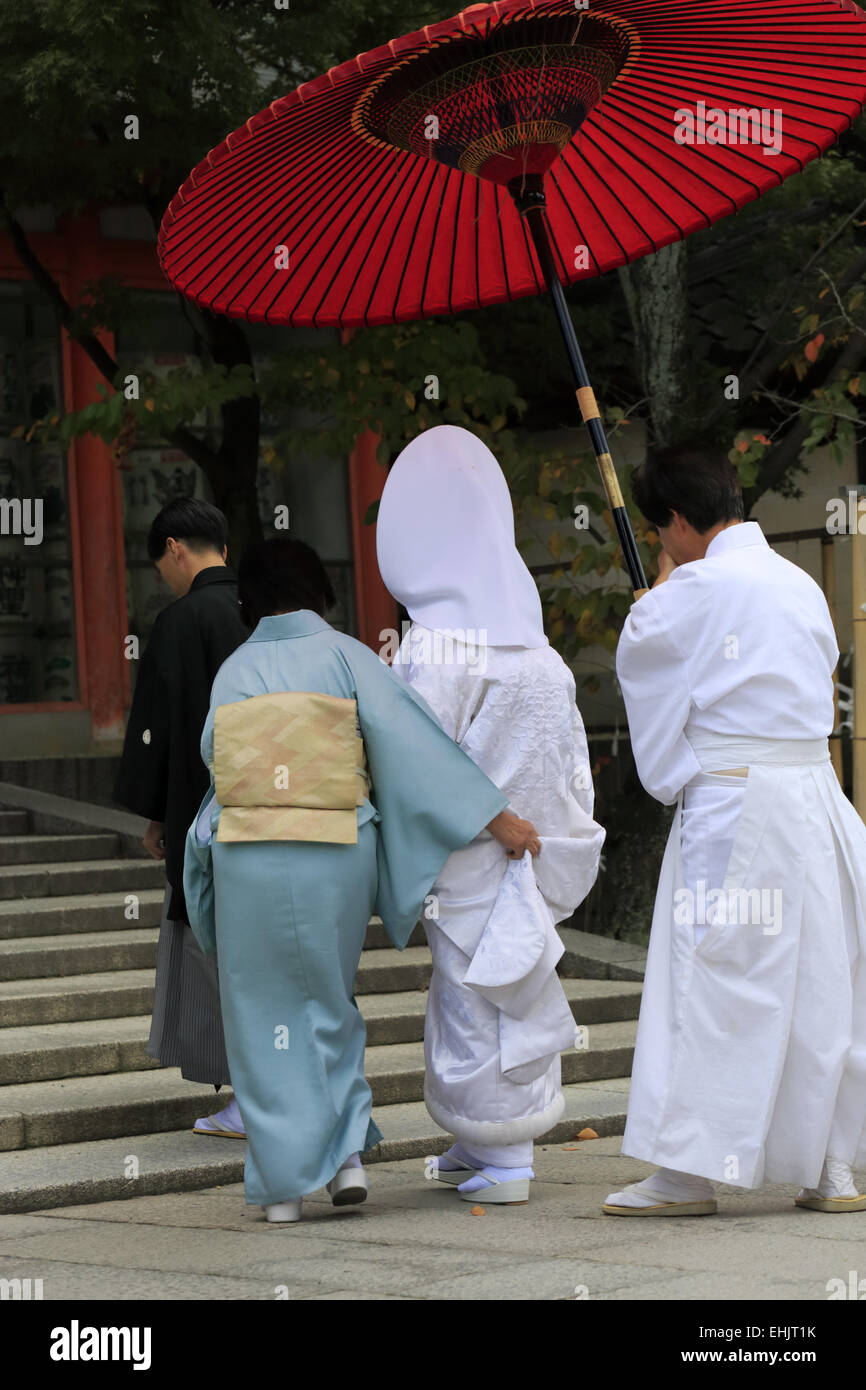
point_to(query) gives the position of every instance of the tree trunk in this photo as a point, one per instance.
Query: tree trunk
(656, 293)
(233, 473)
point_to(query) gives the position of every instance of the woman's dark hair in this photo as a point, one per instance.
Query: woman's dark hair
(698, 482)
(200, 525)
(280, 574)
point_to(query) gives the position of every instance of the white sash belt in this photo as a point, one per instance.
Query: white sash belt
(716, 752)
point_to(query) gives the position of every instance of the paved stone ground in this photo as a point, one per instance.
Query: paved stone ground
(414, 1240)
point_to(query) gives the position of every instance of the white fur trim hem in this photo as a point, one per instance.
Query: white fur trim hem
(491, 1132)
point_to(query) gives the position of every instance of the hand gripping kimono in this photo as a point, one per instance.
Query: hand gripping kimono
(335, 795)
(751, 1048)
(497, 1015)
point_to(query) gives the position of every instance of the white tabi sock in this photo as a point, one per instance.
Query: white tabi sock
(836, 1181)
(667, 1185)
(516, 1157)
(457, 1157)
(230, 1118)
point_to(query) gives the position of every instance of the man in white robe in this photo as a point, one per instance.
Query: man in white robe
(751, 1052)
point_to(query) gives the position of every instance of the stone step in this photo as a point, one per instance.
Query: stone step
(73, 998)
(178, 1161)
(26, 1000)
(59, 879)
(51, 956)
(14, 823)
(92, 912)
(80, 912)
(44, 849)
(377, 939)
(593, 957)
(388, 970)
(58, 1051)
(48, 1113)
(125, 993)
(382, 971)
(45, 1051)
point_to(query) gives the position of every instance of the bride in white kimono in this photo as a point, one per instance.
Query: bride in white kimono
(497, 1016)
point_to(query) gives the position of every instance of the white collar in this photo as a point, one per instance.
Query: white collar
(736, 538)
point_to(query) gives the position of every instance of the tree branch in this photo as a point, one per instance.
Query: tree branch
(825, 245)
(182, 438)
(756, 371)
(786, 454)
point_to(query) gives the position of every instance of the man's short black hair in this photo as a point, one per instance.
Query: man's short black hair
(200, 525)
(280, 574)
(698, 481)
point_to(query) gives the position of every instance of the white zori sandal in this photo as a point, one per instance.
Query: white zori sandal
(350, 1185)
(459, 1167)
(513, 1193)
(494, 1187)
(225, 1123)
(665, 1193)
(283, 1213)
(835, 1192)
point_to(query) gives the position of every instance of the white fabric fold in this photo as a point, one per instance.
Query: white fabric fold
(519, 947)
(514, 964)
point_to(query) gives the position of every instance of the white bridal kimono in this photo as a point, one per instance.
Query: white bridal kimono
(497, 1015)
(751, 1049)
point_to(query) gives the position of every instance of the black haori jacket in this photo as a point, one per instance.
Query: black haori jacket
(162, 776)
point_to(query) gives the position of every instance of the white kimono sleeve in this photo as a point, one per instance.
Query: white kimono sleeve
(652, 673)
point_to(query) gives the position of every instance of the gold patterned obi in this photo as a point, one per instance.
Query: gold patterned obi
(289, 766)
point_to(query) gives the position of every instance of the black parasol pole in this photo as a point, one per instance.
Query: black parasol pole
(528, 194)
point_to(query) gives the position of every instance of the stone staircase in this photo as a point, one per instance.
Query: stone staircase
(86, 1115)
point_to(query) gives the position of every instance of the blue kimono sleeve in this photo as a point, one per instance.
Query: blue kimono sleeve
(230, 683)
(430, 796)
(198, 886)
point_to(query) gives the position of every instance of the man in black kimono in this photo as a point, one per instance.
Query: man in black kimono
(163, 778)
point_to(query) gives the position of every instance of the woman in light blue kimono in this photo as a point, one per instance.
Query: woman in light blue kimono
(281, 885)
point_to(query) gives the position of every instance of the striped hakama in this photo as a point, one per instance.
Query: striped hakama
(186, 1030)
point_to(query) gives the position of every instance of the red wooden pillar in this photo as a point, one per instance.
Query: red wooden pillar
(102, 618)
(377, 611)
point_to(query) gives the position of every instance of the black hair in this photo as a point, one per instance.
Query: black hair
(280, 574)
(200, 525)
(698, 481)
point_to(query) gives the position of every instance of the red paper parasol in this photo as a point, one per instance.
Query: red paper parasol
(520, 144)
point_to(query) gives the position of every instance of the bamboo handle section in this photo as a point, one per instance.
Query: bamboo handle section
(529, 198)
